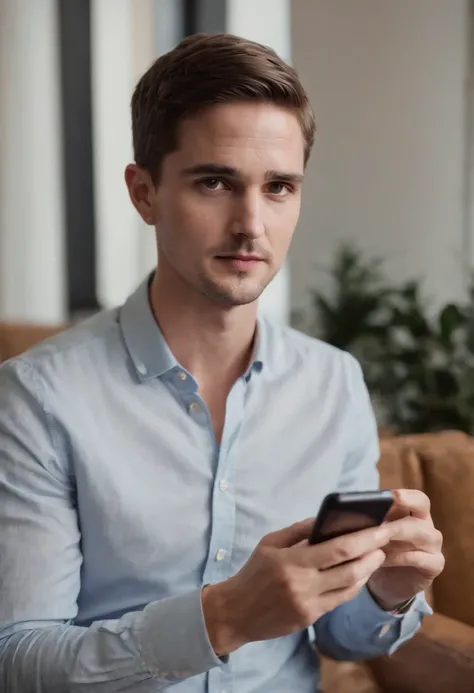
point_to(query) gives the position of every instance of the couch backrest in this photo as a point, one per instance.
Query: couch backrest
(15, 338)
(399, 464)
(443, 466)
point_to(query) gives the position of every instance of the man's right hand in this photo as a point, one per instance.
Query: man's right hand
(288, 584)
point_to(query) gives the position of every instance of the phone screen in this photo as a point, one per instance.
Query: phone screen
(341, 521)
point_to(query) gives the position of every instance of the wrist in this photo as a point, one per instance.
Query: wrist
(220, 619)
(394, 605)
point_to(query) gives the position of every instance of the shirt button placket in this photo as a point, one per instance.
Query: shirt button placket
(219, 565)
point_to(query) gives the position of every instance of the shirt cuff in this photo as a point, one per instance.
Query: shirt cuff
(174, 642)
(389, 625)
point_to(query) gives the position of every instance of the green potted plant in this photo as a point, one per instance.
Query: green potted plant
(418, 365)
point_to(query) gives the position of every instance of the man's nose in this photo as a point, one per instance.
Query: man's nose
(247, 215)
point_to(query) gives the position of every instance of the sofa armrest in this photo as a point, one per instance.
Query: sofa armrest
(345, 677)
(439, 658)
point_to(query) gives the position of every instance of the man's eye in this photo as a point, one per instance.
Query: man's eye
(211, 183)
(276, 188)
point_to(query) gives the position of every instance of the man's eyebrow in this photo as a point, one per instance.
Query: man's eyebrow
(284, 176)
(210, 169)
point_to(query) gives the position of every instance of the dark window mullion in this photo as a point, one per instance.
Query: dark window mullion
(76, 91)
(209, 16)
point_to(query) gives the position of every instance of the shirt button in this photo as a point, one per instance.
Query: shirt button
(194, 408)
(221, 554)
(182, 376)
(141, 368)
(223, 485)
(384, 630)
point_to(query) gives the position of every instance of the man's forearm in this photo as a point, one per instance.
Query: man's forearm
(145, 651)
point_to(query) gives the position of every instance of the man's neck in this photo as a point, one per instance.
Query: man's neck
(214, 345)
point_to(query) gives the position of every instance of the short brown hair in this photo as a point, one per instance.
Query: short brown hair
(204, 70)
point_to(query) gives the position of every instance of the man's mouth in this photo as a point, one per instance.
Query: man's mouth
(241, 261)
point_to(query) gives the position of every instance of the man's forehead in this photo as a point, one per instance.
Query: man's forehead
(246, 126)
(236, 136)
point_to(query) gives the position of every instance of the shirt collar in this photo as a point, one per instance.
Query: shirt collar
(149, 352)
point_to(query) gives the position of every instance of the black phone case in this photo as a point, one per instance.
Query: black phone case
(350, 512)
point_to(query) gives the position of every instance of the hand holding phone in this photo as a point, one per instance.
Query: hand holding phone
(286, 585)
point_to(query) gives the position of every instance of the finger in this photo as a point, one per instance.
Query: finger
(412, 502)
(300, 544)
(350, 574)
(288, 536)
(330, 600)
(398, 547)
(420, 534)
(429, 565)
(348, 547)
(396, 512)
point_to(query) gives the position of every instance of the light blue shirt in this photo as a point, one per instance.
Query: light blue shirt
(117, 506)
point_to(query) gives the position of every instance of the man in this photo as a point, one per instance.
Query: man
(157, 462)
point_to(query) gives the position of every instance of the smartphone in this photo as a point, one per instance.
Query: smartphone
(344, 513)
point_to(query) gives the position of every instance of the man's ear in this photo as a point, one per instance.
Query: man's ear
(142, 192)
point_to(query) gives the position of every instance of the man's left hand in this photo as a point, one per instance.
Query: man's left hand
(413, 556)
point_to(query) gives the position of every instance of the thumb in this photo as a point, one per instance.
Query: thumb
(289, 536)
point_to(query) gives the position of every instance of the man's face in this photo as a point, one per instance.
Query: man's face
(229, 199)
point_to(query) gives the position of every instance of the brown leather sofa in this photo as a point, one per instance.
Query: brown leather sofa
(440, 658)
(15, 338)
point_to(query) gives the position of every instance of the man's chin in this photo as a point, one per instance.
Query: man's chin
(234, 300)
(233, 296)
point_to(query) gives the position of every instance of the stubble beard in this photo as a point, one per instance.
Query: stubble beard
(237, 292)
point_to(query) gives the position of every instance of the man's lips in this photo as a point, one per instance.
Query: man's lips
(240, 262)
(241, 258)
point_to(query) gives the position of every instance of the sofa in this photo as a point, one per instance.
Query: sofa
(440, 658)
(18, 337)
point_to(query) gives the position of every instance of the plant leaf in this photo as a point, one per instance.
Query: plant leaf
(450, 319)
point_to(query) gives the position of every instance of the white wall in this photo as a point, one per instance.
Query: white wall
(119, 228)
(265, 21)
(127, 35)
(387, 79)
(32, 276)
